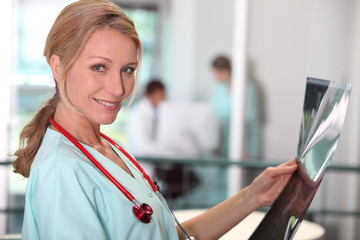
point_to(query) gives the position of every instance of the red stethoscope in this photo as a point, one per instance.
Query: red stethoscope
(141, 211)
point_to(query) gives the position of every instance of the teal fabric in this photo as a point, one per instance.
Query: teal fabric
(221, 102)
(67, 197)
(253, 120)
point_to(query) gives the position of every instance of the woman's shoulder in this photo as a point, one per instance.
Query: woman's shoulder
(57, 155)
(55, 146)
(60, 167)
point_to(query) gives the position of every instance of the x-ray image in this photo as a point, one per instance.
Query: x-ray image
(323, 118)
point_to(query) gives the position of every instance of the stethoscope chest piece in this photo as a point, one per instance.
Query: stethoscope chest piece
(143, 212)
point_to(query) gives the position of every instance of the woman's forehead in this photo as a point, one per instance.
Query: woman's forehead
(110, 43)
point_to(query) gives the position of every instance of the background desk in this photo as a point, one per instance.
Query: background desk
(10, 237)
(306, 231)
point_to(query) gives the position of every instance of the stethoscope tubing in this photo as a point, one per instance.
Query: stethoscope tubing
(113, 180)
(152, 184)
(94, 161)
(162, 199)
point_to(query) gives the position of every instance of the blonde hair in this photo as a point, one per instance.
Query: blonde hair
(67, 38)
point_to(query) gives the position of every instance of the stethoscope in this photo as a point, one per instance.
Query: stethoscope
(141, 211)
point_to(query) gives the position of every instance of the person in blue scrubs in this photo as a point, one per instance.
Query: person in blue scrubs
(221, 101)
(94, 51)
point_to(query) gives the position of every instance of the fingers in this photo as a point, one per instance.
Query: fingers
(290, 162)
(285, 168)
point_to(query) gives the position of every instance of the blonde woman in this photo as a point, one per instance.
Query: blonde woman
(83, 185)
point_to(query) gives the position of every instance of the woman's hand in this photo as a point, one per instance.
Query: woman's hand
(269, 184)
(220, 219)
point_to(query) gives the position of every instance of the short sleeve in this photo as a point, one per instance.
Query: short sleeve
(65, 205)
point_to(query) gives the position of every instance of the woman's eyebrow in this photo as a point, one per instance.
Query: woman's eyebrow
(104, 58)
(109, 60)
(132, 63)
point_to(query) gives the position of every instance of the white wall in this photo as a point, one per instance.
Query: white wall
(331, 55)
(278, 43)
(196, 31)
(214, 35)
(352, 130)
(180, 57)
(288, 42)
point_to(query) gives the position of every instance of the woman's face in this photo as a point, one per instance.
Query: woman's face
(102, 77)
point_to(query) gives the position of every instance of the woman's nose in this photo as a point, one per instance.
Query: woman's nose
(115, 85)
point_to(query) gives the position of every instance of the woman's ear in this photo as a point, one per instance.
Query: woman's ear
(55, 65)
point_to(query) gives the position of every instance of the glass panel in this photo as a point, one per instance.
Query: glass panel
(33, 23)
(146, 22)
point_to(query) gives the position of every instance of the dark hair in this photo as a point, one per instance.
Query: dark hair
(222, 63)
(154, 85)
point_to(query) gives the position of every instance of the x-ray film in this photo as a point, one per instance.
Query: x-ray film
(323, 118)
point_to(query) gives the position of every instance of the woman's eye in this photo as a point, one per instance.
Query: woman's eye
(128, 70)
(98, 68)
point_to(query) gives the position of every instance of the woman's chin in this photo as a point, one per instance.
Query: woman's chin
(107, 120)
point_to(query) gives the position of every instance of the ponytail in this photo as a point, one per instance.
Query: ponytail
(66, 39)
(32, 136)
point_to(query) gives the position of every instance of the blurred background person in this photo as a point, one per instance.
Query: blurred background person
(254, 112)
(221, 102)
(143, 122)
(143, 141)
(255, 116)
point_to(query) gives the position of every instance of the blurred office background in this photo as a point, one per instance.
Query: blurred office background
(276, 43)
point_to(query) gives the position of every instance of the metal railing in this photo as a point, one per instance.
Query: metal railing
(223, 162)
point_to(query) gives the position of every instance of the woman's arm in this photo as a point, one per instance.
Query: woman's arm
(262, 192)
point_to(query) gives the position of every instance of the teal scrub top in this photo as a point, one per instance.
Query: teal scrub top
(221, 102)
(67, 197)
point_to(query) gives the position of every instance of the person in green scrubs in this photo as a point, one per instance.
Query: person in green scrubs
(94, 51)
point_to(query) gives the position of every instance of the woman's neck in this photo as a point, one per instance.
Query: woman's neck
(81, 128)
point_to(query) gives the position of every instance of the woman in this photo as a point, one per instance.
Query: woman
(93, 51)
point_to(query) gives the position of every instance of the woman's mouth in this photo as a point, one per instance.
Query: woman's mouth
(106, 103)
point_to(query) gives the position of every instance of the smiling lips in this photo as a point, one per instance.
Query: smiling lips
(106, 104)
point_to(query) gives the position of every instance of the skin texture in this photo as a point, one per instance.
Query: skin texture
(97, 85)
(97, 74)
